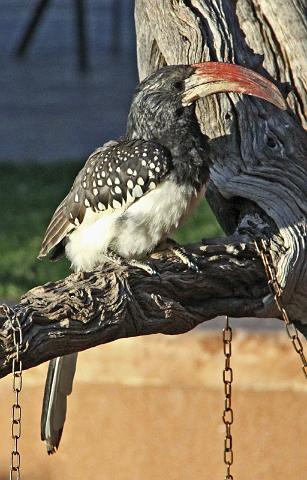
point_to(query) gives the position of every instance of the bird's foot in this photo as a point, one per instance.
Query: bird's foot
(114, 258)
(144, 266)
(118, 260)
(180, 252)
(185, 259)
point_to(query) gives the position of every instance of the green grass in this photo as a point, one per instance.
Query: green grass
(28, 196)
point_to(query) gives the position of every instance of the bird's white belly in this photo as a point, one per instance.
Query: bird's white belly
(130, 232)
(152, 218)
(87, 244)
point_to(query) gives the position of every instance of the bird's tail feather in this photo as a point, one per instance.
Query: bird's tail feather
(58, 386)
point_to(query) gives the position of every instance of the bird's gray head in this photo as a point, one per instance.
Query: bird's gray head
(163, 104)
(157, 104)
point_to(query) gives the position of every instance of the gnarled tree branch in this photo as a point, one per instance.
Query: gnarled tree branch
(92, 308)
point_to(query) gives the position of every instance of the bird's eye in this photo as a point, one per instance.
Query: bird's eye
(179, 85)
(271, 142)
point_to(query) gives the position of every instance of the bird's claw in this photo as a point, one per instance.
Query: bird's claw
(147, 268)
(186, 259)
(192, 266)
(156, 274)
(116, 259)
(152, 271)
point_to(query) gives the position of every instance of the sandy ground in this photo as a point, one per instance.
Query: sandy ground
(150, 408)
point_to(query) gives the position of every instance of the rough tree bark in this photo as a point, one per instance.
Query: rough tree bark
(258, 188)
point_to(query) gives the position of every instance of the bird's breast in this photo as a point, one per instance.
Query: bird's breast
(155, 216)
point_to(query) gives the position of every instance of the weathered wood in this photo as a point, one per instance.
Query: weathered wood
(277, 29)
(89, 309)
(258, 153)
(258, 187)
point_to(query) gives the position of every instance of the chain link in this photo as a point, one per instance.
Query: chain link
(228, 412)
(264, 252)
(17, 387)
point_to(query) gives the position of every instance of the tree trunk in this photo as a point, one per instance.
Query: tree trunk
(258, 189)
(258, 177)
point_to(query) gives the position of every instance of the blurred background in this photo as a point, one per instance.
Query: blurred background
(147, 408)
(65, 89)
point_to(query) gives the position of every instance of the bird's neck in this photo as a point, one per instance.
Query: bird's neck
(190, 156)
(188, 149)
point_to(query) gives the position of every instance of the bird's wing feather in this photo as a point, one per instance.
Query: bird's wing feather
(113, 176)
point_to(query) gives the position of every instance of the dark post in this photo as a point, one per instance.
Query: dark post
(26, 39)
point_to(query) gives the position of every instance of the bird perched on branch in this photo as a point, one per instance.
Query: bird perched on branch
(131, 194)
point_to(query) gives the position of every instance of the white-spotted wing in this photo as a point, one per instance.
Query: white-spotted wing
(114, 176)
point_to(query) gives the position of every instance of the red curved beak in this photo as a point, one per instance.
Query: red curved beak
(217, 77)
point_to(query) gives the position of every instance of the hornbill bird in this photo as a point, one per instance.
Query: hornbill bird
(132, 193)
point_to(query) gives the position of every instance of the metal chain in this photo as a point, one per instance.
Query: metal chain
(17, 387)
(264, 252)
(228, 412)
